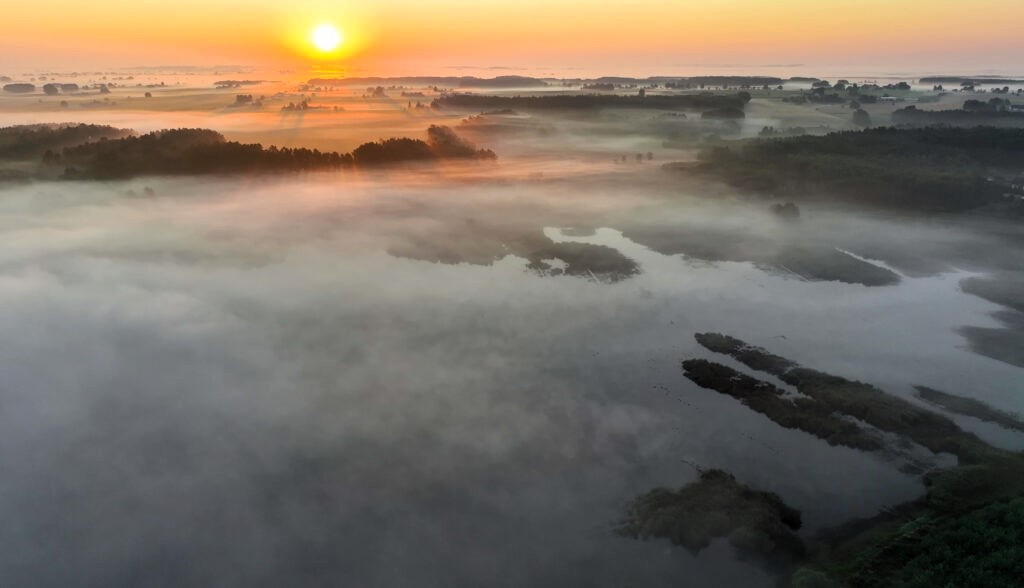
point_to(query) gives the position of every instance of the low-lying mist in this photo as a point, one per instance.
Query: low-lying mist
(366, 377)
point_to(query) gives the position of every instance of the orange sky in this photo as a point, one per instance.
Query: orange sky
(405, 36)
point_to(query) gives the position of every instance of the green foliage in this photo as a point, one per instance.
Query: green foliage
(582, 259)
(997, 476)
(803, 414)
(926, 169)
(970, 407)
(19, 88)
(570, 101)
(967, 532)
(187, 151)
(808, 578)
(392, 151)
(974, 113)
(982, 548)
(714, 506)
(753, 357)
(202, 151)
(861, 118)
(444, 142)
(828, 399)
(32, 141)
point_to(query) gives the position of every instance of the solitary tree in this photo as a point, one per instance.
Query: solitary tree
(861, 118)
(19, 88)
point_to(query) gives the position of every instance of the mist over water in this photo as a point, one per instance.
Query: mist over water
(269, 381)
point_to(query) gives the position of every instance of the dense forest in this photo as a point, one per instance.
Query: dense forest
(965, 117)
(936, 168)
(93, 152)
(32, 141)
(185, 151)
(441, 143)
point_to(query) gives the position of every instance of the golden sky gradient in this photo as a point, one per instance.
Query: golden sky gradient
(405, 36)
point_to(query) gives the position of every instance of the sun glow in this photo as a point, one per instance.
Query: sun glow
(326, 38)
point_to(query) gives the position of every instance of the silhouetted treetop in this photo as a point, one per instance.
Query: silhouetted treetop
(936, 168)
(188, 151)
(442, 143)
(32, 141)
(446, 143)
(19, 88)
(203, 151)
(975, 113)
(861, 118)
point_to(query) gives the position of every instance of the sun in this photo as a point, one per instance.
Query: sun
(326, 38)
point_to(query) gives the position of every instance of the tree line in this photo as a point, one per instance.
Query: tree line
(934, 168)
(707, 102)
(99, 152)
